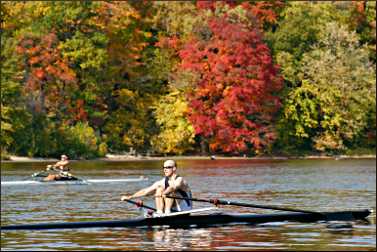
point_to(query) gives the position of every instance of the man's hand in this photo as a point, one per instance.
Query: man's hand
(126, 197)
(167, 191)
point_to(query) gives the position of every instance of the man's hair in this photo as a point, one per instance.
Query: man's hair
(170, 162)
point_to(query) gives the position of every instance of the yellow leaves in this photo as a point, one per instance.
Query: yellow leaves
(127, 93)
(148, 34)
(127, 140)
(84, 134)
(328, 141)
(114, 16)
(135, 135)
(102, 149)
(133, 14)
(6, 126)
(41, 8)
(176, 133)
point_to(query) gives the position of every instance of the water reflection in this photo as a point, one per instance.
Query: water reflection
(180, 239)
(303, 184)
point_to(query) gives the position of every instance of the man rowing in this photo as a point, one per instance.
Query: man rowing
(171, 185)
(61, 167)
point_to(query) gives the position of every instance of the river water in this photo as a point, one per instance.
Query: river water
(318, 185)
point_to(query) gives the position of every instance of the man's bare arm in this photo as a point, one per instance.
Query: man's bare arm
(141, 193)
(178, 183)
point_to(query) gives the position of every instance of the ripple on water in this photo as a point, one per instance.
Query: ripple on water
(309, 185)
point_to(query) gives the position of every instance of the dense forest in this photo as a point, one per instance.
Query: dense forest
(87, 78)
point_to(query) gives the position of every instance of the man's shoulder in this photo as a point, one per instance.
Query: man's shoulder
(179, 177)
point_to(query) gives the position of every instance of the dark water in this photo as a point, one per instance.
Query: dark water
(319, 185)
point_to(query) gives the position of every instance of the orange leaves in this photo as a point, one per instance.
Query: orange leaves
(33, 50)
(51, 70)
(80, 111)
(34, 60)
(47, 71)
(39, 73)
(264, 11)
(77, 110)
(123, 26)
(173, 43)
(113, 16)
(360, 7)
(44, 59)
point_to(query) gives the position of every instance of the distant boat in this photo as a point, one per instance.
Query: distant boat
(74, 181)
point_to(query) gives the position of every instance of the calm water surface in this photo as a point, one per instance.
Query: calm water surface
(319, 185)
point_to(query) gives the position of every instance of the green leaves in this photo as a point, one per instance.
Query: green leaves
(338, 90)
(87, 53)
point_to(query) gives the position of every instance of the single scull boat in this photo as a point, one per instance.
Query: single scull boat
(199, 220)
(72, 182)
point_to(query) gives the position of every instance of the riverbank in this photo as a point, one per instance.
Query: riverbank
(113, 157)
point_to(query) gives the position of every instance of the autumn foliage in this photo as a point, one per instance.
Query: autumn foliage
(186, 77)
(48, 73)
(235, 99)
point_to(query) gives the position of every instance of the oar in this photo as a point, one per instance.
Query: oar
(37, 174)
(232, 203)
(54, 169)
(139, 203)
(75, 178)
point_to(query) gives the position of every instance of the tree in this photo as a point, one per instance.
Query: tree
(338, 90)
(233, 103)
(176, 133)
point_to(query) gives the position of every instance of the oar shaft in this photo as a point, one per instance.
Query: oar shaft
(264, 207)
(231, 203)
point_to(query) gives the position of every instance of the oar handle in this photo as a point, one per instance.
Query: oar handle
(231, 203)
(140, 204)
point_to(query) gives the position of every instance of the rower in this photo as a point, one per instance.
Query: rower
(60, 166)
(173, 185)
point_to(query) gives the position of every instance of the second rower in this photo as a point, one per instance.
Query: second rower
(60, 166)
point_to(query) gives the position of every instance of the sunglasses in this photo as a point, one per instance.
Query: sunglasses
(168, 167)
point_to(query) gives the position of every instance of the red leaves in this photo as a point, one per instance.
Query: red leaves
(233, 100)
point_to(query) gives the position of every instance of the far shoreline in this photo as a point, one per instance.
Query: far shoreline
(125, 158)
